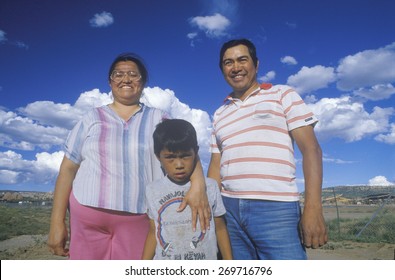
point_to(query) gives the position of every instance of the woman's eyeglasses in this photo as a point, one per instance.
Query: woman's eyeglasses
(118, 76)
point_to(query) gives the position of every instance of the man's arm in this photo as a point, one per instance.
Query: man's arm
(314, 233)
(214, 168)
(150, 243)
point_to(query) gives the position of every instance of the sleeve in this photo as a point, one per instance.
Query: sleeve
(148, 201)
(217, 206)
(296, 111)
(165, 116)
(214, 149)
(75, 141)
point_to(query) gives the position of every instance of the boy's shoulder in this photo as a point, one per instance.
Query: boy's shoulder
(211, 184)
(155, 183)
(212, 188)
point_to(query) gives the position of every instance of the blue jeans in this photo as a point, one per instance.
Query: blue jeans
(264, 230)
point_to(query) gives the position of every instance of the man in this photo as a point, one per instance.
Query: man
(253, 160)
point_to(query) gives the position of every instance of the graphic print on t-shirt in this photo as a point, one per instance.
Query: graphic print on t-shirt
(174, 231)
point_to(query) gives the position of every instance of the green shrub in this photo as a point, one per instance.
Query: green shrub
(380, 230)
(23, 220)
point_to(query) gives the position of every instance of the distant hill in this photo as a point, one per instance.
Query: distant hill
(353, 192)
(25, 196)
(361, 194)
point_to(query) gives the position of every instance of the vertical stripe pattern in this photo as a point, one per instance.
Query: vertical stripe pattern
(116, 158)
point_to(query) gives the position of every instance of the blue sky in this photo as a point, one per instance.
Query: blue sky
(339, 55)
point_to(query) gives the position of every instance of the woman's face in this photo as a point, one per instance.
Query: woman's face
(126, 91)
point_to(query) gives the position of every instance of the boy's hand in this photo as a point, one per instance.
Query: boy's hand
(198, 202)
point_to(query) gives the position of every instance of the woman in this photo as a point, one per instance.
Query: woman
(108, 161)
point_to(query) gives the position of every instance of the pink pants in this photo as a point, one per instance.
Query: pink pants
(99, 234)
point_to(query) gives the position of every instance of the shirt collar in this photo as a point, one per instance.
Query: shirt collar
(264, 86)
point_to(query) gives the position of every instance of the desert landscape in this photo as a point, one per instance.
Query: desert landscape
(33, 247)
(24, 225)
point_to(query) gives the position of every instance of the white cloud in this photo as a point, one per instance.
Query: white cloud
(367, 68)
(379, 181)
(288, 60)
(20, 44)
(23, 133)
(213, 26)
(91, 99)
(3, 38)
(348, 120)
(388, 138)
(291, 25)
(49, 161)
(370, 74)
(336, 160)
(64, 115)
(45, 126)
(269, 76)
(50, 113)
(310, 99)
(167, 101)
(192, 35)
(8, 177)
(376, 92)
(312, 79)
(103, 19)
(16, 170)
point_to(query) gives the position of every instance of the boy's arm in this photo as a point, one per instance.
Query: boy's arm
(223, 238)
(150, 243)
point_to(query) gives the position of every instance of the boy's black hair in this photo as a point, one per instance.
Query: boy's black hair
(174, 135)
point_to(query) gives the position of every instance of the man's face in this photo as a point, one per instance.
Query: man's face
(239, 70)
(178, 165)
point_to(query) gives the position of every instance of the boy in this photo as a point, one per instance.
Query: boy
(170, 236)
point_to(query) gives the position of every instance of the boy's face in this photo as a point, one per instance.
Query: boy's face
(178, 165)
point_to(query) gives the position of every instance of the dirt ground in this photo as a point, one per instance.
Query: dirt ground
(33, 247)
(348, 250)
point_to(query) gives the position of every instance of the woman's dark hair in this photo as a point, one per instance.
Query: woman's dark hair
(175, 135)
(134, 58)
(234, 43)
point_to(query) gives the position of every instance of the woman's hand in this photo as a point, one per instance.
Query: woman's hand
(57, 240)
(197, 200)
(58, 233)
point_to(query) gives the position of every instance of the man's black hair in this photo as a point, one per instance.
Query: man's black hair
(234, 43)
